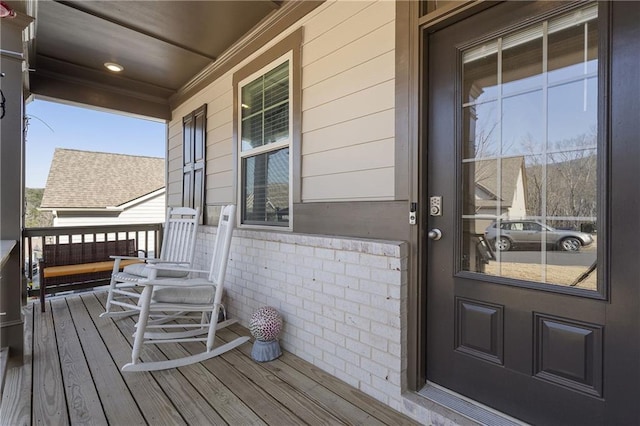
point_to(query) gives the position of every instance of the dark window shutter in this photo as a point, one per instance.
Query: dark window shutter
(194, 155)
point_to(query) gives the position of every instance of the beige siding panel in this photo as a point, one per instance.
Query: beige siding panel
(367, 156)
(330, 16)
(220, 180)
(221, 164)
(368, 74)
(175, 188)
(219, 90)
(175, 165)
(359, 25)
(175, 129)
(174, 147)
(220, 195)
(220, 133)
(365, 129)
(375, 184)
(220, 149)
(380, 41)
(222, 117)
(359, 104)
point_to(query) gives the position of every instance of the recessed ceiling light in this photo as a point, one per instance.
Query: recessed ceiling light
(113, 66)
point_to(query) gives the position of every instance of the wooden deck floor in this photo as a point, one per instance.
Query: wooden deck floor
(71, 375)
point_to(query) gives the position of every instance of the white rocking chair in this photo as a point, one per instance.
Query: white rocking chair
(201, 295)
(178, 249)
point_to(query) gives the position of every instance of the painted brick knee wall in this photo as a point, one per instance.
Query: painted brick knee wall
(343, 301)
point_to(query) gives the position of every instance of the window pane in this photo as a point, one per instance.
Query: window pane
(252, 132)
(252, 98)
(276, 86)
(265, 109)
(523, 124)
(266, 188)
(522, 66)
(480, 78)
(481, 130)
(276, 124)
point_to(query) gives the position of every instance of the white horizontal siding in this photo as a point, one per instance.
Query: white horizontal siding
(152, 210)
(347, 109)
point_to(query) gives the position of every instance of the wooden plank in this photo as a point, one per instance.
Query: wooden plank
(182, 393)
(324, 396)
(265, 406)
(345, 391)
(119, 405)
(83, 401)
(49, 404)
(16, 397)
(231, 408)
(289, 396)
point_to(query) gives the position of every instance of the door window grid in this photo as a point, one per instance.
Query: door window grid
(497, 96)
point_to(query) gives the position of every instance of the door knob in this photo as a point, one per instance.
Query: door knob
(435, 234)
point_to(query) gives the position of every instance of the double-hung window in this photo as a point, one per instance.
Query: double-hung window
(265, 133)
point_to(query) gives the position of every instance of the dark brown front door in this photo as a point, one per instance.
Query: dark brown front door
(533, 143)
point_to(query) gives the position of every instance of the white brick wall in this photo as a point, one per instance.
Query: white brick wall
(342, 300)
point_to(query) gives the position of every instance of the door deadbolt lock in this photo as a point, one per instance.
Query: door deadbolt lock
(435, 205)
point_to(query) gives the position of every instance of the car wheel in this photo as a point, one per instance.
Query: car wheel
(503, 244)
(570, 244)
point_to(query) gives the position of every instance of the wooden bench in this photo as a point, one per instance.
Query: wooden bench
(66, 267)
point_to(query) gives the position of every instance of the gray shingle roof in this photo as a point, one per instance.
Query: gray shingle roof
(85, 179)
(486, 179)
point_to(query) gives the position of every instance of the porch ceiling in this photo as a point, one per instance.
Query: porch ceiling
(162, 45)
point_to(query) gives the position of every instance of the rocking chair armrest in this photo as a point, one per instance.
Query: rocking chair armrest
(175, 268)
(171, 282)
(154, 261)
(116, 257)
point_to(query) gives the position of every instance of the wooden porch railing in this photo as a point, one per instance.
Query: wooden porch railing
(148, 238)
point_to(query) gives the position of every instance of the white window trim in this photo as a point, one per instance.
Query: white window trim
(265, 148)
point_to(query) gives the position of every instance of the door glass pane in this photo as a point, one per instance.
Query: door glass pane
(529, 166)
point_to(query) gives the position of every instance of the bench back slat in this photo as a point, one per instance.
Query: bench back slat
(86, 252)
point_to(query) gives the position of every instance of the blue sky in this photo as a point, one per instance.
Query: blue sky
(84, 129)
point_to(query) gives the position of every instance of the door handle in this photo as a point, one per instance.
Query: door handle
(435, 234)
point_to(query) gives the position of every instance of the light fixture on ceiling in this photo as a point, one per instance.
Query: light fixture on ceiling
(112, 66)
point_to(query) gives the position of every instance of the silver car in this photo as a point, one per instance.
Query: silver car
(522, 233)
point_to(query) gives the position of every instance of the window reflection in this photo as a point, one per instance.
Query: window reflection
(529, 167)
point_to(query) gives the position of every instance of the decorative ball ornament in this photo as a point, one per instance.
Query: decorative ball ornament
(265, 326)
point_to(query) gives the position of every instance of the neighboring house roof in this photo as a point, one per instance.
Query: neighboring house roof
(487, 182)
(85, 179)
